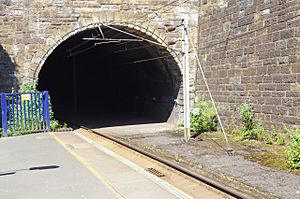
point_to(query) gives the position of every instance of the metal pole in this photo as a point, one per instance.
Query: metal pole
(4, 114)
(186, 82)
(46, 111)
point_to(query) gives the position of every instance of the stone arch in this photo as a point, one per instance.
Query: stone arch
(171, 63)
(151, 32)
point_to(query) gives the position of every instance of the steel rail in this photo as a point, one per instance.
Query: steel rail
(183, 170)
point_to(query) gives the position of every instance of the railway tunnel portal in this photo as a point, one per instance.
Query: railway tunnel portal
(111, 75)
(44, 39)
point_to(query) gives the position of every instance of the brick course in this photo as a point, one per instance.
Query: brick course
(261, 51)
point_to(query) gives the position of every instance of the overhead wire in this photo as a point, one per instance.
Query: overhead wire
(144, 60)
(74, 47)
(151, 59)
(111, 39)
(81, 51)
(175, 1)
(133, 35)
(77, 46)
(160, 12)
(150, 41)
(124, 32)
(229, 149)
(194, 49)
(84, 42)
(133, 48)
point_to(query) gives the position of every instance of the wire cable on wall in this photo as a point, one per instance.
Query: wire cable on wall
(229, 149)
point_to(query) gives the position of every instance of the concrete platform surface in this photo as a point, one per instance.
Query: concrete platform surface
(64, 165)
(137, 129)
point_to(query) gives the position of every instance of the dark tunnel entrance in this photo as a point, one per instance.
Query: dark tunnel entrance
(110, 82)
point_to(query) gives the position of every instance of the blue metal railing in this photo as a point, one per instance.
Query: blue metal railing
(24, 112)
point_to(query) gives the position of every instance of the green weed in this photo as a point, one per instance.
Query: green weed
(252, 130)
(293, 153)
(203, 117)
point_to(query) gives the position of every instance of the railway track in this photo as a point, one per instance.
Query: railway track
(193, 184)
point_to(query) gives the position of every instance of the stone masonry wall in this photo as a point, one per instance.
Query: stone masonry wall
(31, 29)
(250, 49)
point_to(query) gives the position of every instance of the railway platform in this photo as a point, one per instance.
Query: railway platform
(67, 165)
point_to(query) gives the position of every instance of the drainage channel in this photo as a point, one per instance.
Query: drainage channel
(194, 180)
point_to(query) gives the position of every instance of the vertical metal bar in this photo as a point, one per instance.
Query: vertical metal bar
(43, 111)
(25, 114)
(9, 114)
(4, 114)
(17, 111)
(186, 83)
(29, 113)
(46, 105)
(32, 111)
(13, 111)
(40, 112)
(35, 112)
(21, 112)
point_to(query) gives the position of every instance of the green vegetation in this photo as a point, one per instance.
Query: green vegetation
(252, 130)
(293, 153)
(249, 130)
(203, 117)
(265, 146)
(30, 86)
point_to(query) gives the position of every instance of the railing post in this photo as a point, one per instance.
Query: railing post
(4, 114)
(46, 110)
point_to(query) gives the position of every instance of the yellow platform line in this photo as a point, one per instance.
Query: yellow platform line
(89, 167)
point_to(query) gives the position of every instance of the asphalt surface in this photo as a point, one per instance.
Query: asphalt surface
(36, 166)
(62, 166)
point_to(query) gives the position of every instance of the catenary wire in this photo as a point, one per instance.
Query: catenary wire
(169, 4)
